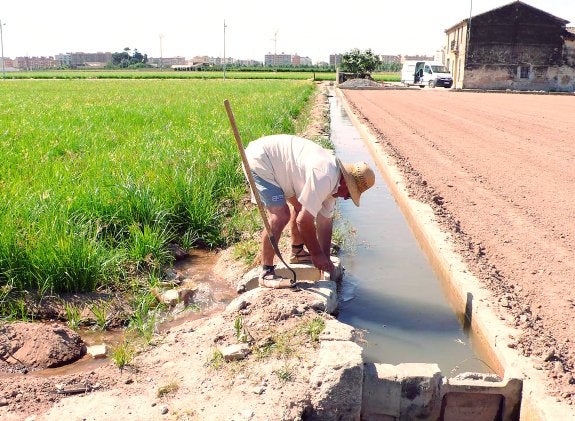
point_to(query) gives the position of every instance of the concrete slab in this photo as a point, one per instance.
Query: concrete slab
(304, 272)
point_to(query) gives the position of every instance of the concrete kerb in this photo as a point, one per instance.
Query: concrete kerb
(465, 294)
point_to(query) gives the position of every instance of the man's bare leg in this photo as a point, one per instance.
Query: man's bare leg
(278, 217)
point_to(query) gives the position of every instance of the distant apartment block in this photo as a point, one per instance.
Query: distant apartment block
(167, 61)
(7, 63)
(277, 59)
(80, 59)
(335, 59)
(34, 63)
(297, 60)
(389, 59)
(416, 58)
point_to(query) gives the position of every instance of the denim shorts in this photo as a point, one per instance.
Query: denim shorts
(270, 194)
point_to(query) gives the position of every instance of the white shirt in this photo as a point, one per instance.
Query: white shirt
(300, 167)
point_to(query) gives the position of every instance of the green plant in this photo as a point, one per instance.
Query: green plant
(90, 196)
(100, 312)
(144, 324)
(73, 315)
(357, 61)
(314, 328)
(217, 360)
(247, 250)
(167, 389)
(241, 332)
(285, 373)
(123, 354)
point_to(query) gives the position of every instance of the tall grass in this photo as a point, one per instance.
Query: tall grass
(97, 177)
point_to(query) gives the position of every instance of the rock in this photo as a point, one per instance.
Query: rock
(235, 352)
(97, 351)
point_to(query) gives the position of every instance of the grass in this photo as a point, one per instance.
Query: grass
(73, 315)
(97, 177)
(123, 354)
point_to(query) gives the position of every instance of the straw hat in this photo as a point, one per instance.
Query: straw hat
(358, 176)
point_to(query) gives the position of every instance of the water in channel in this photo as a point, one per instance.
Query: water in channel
(389, 288)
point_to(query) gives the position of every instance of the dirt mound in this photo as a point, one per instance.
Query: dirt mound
(32, 346)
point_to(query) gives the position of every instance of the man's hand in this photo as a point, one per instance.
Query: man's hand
(322, 262)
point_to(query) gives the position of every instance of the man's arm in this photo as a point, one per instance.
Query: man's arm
(311, 236)
(324, 226)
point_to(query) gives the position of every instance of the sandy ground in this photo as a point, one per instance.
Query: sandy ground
(499, 171)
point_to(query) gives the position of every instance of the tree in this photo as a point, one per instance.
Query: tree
(124, 59)
(356, 61)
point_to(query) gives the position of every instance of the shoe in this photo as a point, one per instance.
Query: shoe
(269, 279)
(299, 254)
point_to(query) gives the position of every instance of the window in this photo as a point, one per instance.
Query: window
(524, 72)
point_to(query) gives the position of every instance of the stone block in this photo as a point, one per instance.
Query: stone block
(477, 396)
(337, 382)
(335, 330)
(381, 392)
(324, 295)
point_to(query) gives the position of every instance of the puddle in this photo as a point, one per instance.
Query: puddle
(389, 288)
(212, 296)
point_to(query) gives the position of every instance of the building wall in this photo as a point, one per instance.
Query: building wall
(514, 47)
(455, 51)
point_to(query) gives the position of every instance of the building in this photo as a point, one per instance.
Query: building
(84, 60)
(35, 63)
(335, 59)
(390, 59)
(282, 59)
(297, 60)
(515, 46)
(417, 57)
(164, 62)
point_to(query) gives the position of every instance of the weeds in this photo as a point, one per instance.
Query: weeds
(247, 251)
(217, 360)
(123, 354)
(314, 328)
(73, 315)
(285, 373)
(168, 389)
(100, 312)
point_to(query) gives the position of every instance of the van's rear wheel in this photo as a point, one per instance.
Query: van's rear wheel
(432, 84)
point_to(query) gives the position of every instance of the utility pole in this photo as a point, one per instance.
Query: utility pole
(2, 45)
(161, 53)
(224, 49)
(275, 39)
(468, 30)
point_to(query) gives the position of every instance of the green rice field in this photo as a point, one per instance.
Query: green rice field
(98, 176)
(170, 74)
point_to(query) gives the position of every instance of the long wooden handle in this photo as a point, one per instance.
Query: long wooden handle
(255, 192)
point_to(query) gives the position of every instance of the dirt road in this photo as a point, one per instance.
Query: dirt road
(499, 171)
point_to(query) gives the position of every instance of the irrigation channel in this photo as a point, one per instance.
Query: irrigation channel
(389, 288)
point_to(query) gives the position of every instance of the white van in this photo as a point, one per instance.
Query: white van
(425, 73)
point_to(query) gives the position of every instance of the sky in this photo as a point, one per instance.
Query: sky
(253, 28)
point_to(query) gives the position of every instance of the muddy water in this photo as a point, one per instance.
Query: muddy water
(212, 295)
(389, 288)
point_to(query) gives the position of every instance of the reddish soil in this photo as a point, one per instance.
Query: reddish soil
(499, 171)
